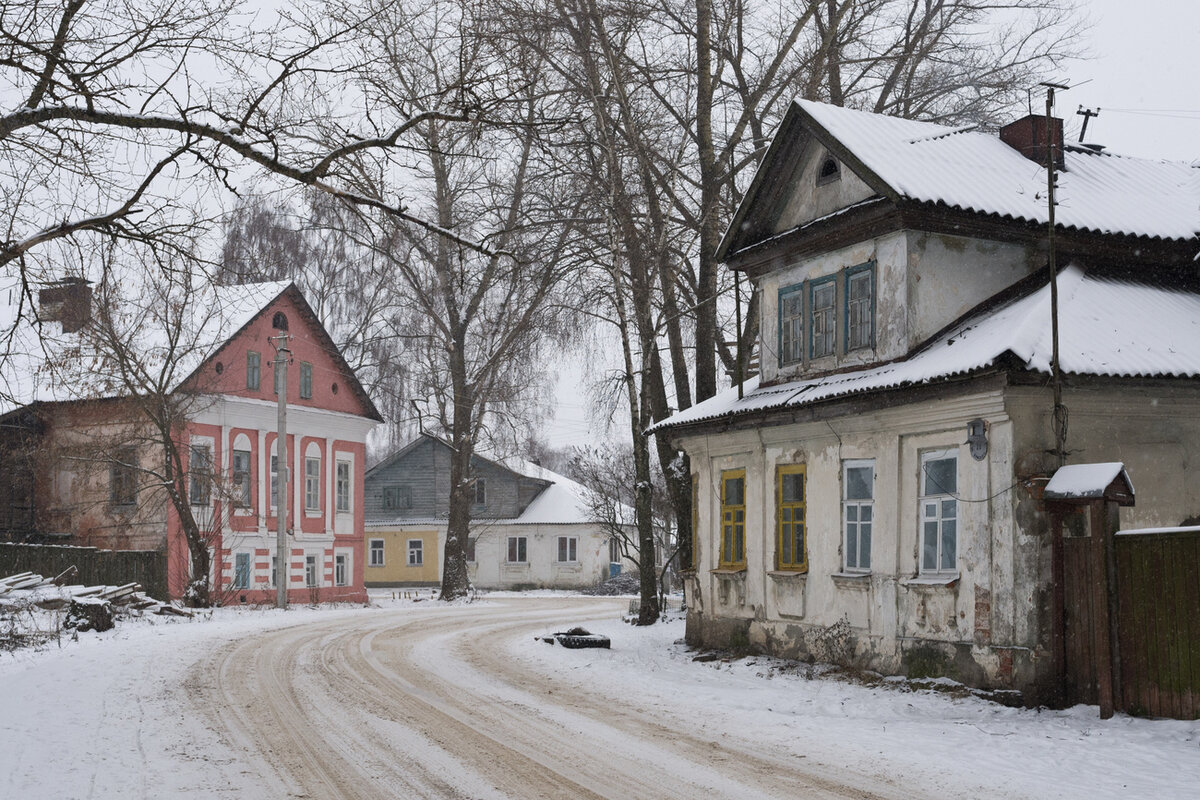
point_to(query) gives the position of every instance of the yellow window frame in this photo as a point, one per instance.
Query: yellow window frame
(733, 524)
(791, 550)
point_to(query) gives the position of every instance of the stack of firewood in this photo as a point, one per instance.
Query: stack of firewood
(58, 592)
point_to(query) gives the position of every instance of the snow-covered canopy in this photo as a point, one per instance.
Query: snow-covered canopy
(975, 171)
(1107, 327)
(40, 363)
(1085, 480)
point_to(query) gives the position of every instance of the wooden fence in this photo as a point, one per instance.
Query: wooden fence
(111, 567)
(1158, 621)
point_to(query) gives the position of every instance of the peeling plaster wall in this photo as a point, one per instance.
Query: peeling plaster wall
(919, 289)
(807, 200)
(875, 621)
(990, 628)
(949, 275)
(891, 311)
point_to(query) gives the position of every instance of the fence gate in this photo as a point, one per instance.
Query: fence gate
(1158, 600)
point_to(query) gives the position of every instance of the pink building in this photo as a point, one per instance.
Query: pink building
(225, 384)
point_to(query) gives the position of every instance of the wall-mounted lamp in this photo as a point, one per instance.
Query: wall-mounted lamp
(977, 439)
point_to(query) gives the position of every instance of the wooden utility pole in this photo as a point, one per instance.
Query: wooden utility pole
(282, 550)
(1060, 411)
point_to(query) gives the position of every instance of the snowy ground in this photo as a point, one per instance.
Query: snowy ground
(168, 708)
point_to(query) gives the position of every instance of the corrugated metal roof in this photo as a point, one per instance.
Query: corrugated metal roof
(1107, 327)
(975, 171)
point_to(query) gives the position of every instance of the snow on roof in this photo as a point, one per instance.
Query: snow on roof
(40, 363)
(1106, 327)
(975, 171)
(1085, 480)
(563, 502)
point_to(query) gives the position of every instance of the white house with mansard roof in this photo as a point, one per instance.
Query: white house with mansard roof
(877, 487)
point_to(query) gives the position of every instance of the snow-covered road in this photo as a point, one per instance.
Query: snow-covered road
(429, 700)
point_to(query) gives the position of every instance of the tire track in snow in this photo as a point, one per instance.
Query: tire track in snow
(423, 702)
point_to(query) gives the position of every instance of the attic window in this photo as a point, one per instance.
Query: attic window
(829, 172)
(279, 322)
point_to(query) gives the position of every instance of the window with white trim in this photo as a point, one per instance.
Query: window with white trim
(241, 571)
(375, 553)
(416, 552)
(517, 550)
(310, 571)
(341, 570)
(614, 550)
(343, 486)
(939, 511)
(253, 369)
(568, 549)
(858, 513)
(312, 484)
(241, 478)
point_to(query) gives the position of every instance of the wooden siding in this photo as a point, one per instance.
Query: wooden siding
(424, 467)
(1158, 580)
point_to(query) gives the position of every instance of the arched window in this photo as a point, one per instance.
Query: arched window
(830, 171)
(279, 322)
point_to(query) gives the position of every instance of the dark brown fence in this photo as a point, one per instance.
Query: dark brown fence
(1158, 613)
(112, 567)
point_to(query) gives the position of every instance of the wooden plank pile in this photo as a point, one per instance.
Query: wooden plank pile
(52, 594)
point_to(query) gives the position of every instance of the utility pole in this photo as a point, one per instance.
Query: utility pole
(1060, 411)
(1087, 115)
(282, 550)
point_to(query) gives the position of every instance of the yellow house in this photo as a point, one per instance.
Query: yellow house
(402, 558)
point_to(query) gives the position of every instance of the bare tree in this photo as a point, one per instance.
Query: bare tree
(131, 368)
(608, 473)
(123, 119)
(471, 322)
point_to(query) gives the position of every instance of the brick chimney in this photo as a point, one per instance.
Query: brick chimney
(68, 301)
(1028, 137)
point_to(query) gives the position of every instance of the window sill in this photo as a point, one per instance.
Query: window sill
(852, 580)
(930, 582)
(728, 572)
(313, 513)
(788, 574)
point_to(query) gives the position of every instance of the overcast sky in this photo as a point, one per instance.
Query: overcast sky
(1144, 76)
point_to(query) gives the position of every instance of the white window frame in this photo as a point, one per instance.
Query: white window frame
(854, 527)
(344, 488)
(416, 554)
(518, 546)
(312, 478)
(243, 489)
(568, 546)
(376, 547)
(312, 572)
(341, 569)
(244, 575)
(932, 509)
